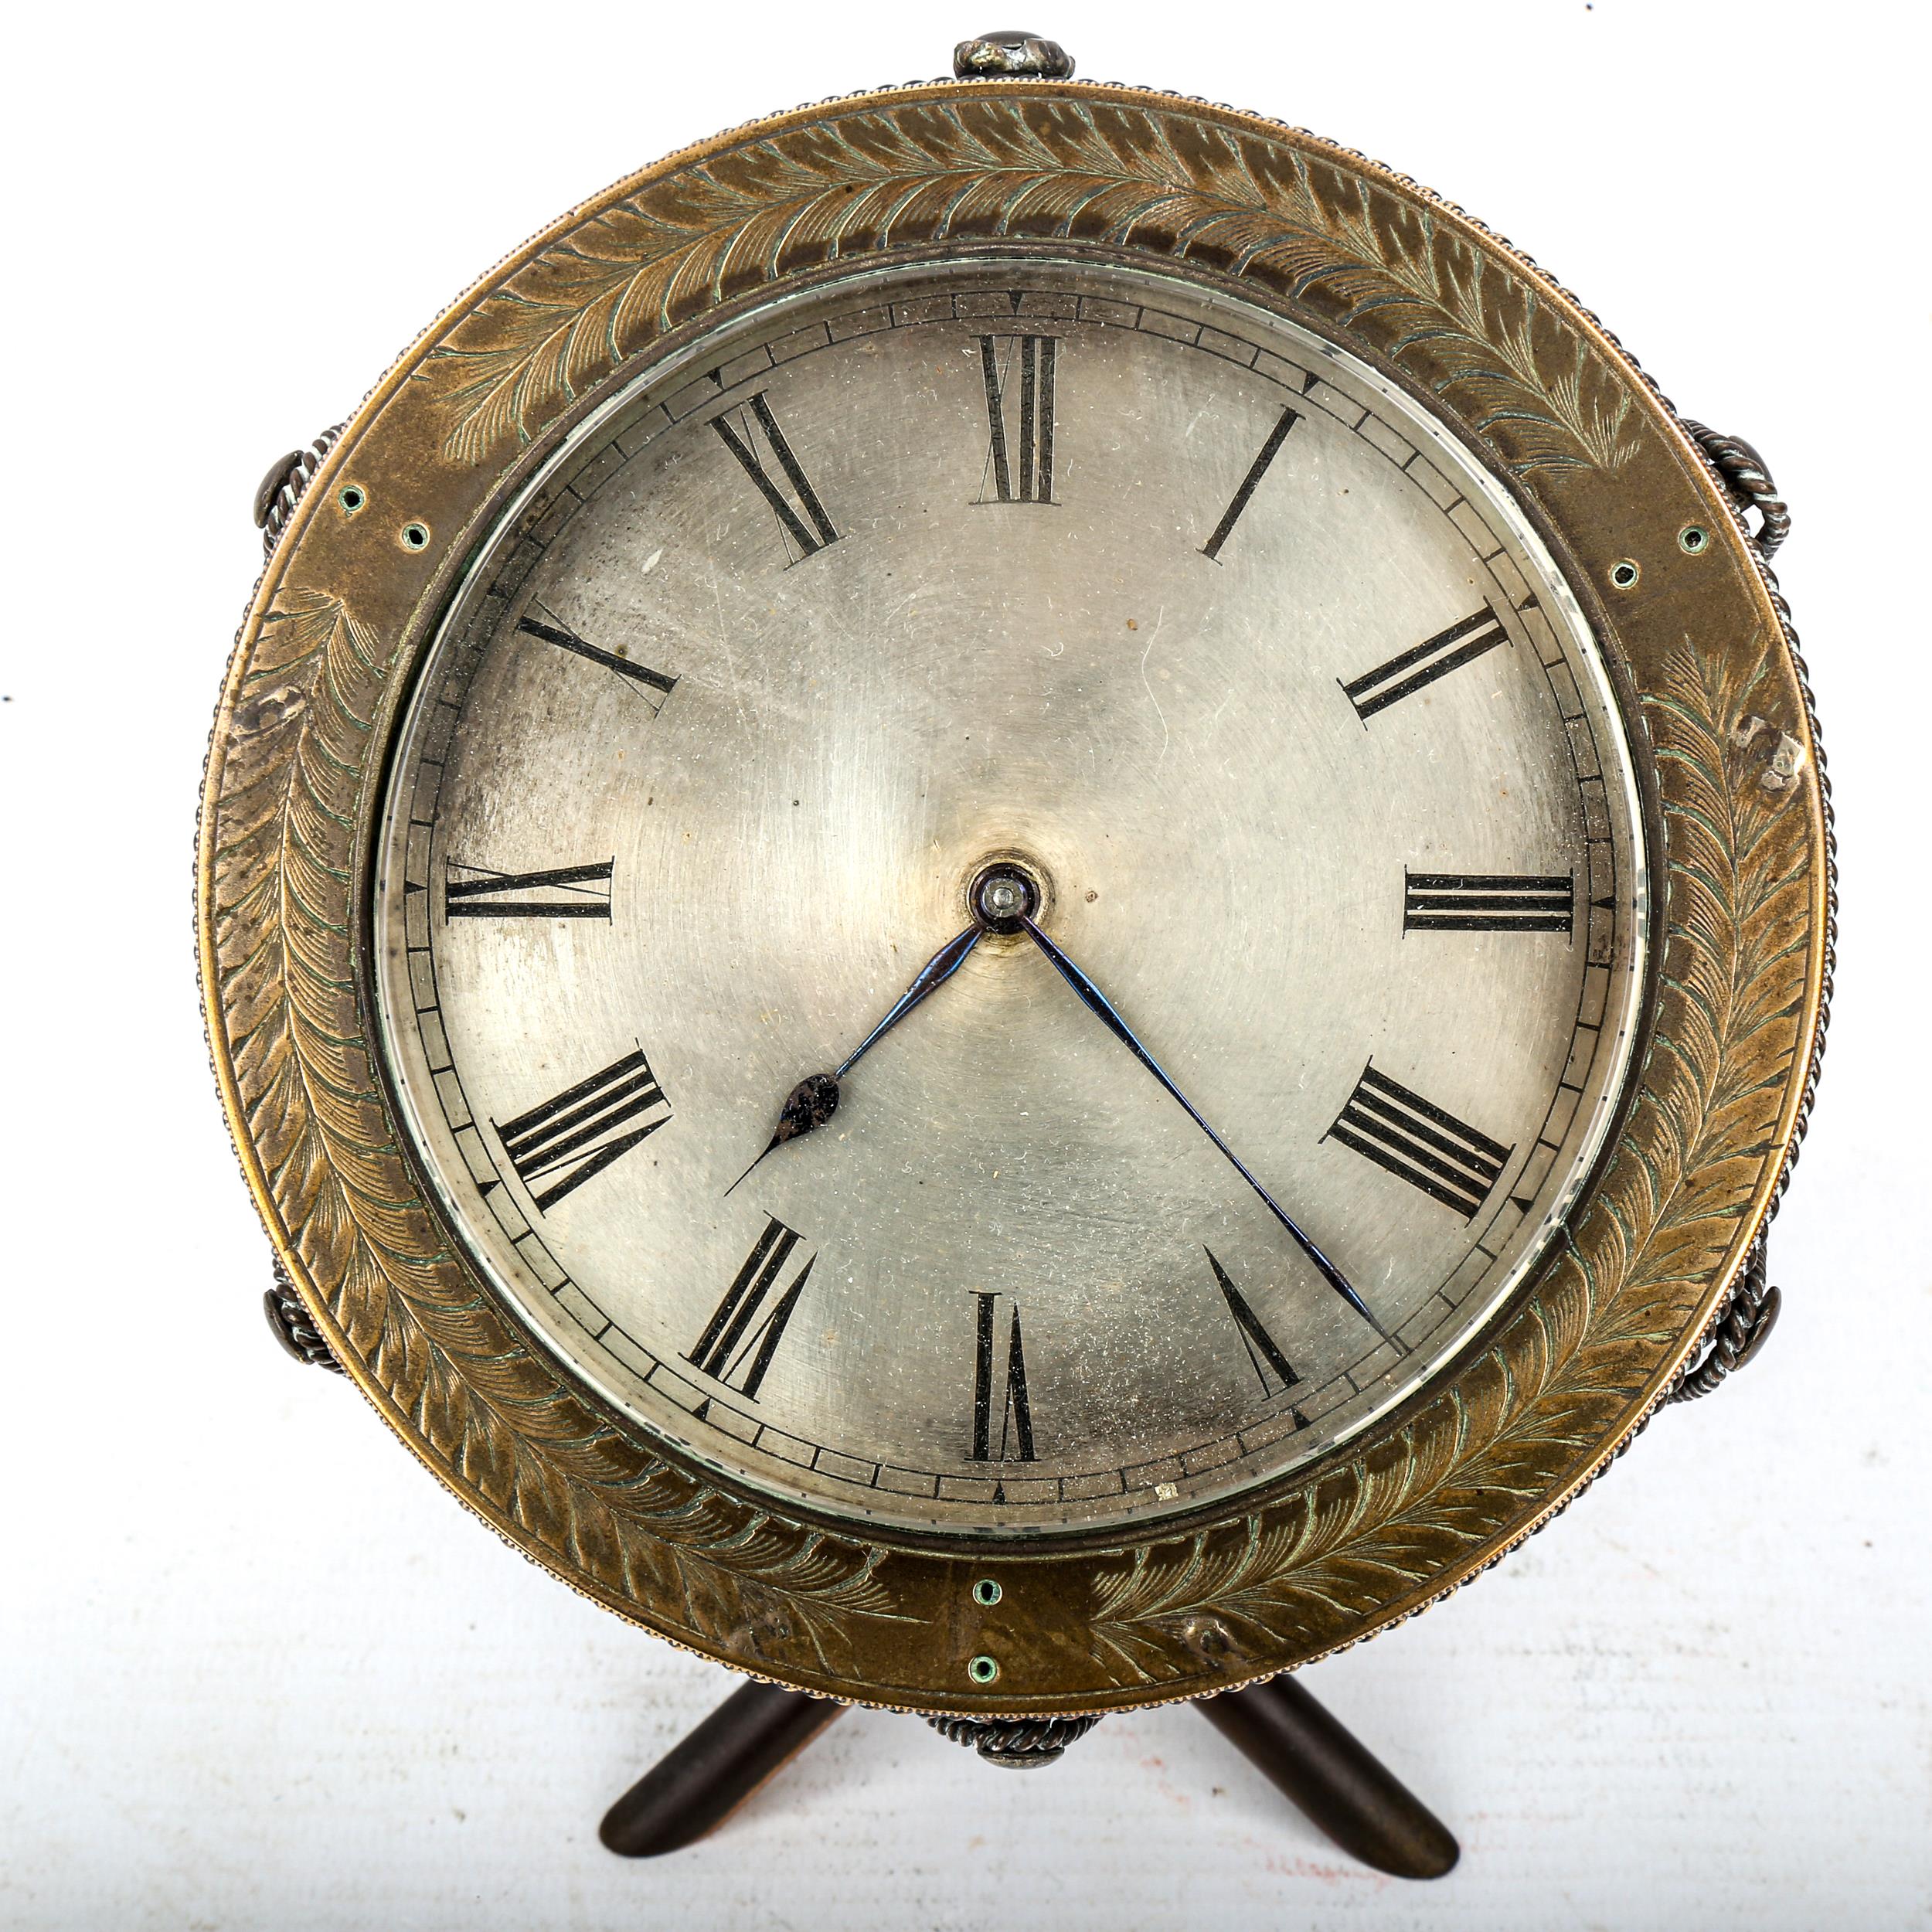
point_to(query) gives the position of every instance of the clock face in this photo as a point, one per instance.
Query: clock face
(1236, 671)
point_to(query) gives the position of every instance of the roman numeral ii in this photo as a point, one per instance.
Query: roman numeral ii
(742, 1337)
(1419, 1142)
(1412, 670)
(565, 1141)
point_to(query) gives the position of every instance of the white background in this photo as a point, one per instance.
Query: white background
(255, 1669)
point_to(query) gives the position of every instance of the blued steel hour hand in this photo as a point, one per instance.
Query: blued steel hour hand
(1096, 1002)
(815, 1099)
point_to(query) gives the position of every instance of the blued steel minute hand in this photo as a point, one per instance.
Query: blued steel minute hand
(815, 1099)
(1096, 1002)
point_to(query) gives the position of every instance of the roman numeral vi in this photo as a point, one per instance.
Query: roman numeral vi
(1000, 1389)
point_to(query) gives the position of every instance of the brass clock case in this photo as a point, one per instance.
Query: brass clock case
(1719, 724)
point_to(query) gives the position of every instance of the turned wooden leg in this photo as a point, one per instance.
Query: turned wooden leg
(1326, 1772)
(699, 1783)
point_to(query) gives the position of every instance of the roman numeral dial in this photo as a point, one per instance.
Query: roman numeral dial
(1488, 902)
(571, 1138)
(743, 1334)
(1018, 371)
(1409, 671)
(1419, 1142)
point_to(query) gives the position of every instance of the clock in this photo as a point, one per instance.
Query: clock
(1014, 898)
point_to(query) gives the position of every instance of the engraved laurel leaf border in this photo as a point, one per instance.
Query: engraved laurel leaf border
(1735, 954)
(501, 1419)
(863, 183)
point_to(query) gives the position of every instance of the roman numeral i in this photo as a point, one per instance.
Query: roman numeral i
(737, 1346)
(562, 1143)
(1402, 676)
(999, 1389)
(1022, 467)
(800, 515)
(1434, 901)
(1419, 1142)
(1256, 469)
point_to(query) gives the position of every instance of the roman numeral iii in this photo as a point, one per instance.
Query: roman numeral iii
(742, 1337)
(1403, 676)
(1419, 1142)
(559, 1145)
(653, 686)
(568, 892)
(1435, 902)
(1018, 372)
(1264, 1353)
(800, 515)
(999, 1389)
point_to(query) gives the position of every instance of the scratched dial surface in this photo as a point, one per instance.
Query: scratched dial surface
(1217, 635)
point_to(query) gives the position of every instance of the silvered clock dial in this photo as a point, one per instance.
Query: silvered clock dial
(1247, 674)
(1015, 896)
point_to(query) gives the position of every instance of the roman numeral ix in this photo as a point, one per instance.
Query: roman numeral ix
(801, 516)
(557, 1146)
(740, 1339)
(1023, 472)
(1419, 1142)
(1264, 1353)
(1448, 651)
(652, 685)
(1000, 1389)
(1441, 901)
(568, 892)
(1256, 469)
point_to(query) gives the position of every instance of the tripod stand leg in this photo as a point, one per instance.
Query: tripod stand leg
(697, 1783)
(1327, 1773)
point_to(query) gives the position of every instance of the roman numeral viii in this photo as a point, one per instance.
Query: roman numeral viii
(999, 1389)
(742, 1337)
(1419, 1142)
(1403, 676)
(1264, 1352)
(800, 515)
(653, 686)
(557, 1146)
(568, 892)
(1441, 901)
(1022, 468)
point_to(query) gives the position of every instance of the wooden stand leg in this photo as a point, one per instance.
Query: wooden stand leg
(1327, 1773)
(695, 1785)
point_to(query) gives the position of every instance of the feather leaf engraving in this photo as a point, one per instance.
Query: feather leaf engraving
(499, 1417)
(1459, 1478)
(866, 181)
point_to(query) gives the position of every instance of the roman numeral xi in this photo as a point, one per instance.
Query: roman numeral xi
(1436, 902)
(1419, 1142)
(1020, 461)
(743, 1335)
(802, 517)
(563, 1142)
(1403, 675)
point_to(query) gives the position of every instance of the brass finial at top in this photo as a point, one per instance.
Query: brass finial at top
(1010, 53)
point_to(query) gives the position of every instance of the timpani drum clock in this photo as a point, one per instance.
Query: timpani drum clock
(1014, 899)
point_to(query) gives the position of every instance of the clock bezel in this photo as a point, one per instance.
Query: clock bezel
(1475, 1459)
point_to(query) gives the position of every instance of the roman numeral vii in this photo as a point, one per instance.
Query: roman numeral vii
(742, 1337)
